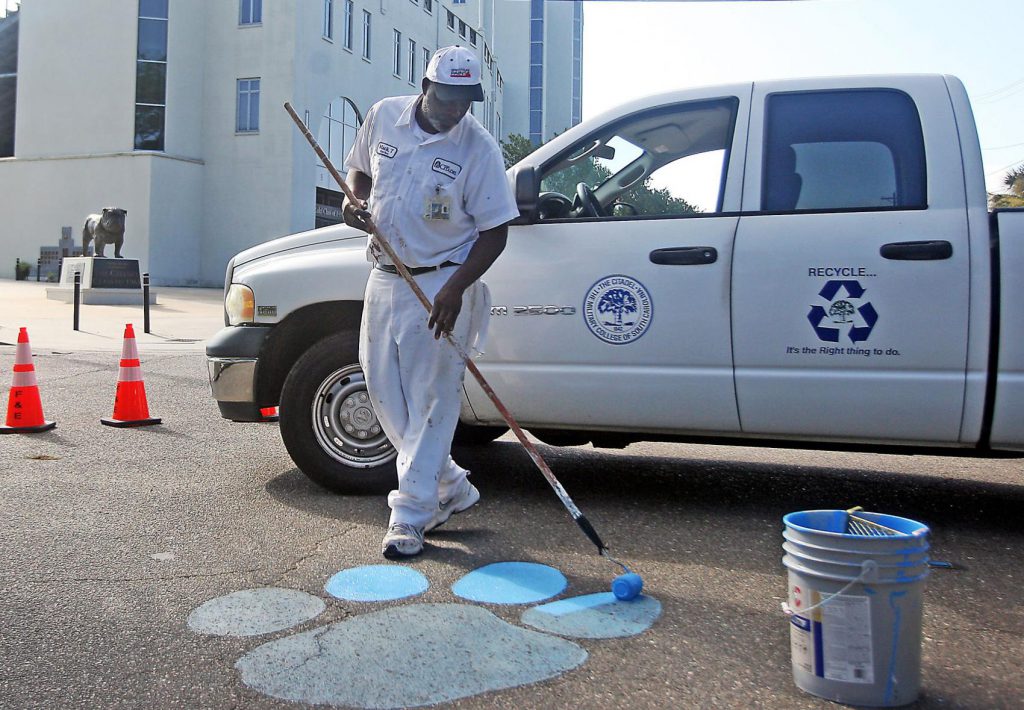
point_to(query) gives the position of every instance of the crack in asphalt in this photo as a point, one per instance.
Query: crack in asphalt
(140, 579)
(313, 551)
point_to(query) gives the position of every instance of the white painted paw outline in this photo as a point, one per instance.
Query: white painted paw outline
(417, 654)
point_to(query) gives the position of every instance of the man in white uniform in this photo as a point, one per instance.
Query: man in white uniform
(434, 181)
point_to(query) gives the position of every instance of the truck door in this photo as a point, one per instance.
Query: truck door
(612, 309)
(851, 274)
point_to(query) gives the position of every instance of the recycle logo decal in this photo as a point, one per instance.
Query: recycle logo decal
(842, 313)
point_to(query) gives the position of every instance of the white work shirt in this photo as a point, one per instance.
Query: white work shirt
(432, 194)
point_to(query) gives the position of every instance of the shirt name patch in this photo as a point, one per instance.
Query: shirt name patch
(446, 168)
(387, 150)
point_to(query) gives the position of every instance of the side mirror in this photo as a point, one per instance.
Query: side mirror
(527, 188)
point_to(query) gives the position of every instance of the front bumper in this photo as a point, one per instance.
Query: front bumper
(232, 360)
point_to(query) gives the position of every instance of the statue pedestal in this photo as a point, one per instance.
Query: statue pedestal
(104, 281)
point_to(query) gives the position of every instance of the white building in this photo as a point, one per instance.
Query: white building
(172, 109)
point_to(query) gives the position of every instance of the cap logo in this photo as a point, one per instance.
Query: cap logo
(460, 74)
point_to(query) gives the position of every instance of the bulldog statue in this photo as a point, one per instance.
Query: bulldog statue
(105, 228)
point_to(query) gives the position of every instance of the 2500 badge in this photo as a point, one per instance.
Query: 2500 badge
(534, 310)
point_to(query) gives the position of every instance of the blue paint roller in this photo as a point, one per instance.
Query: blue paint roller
(626, 586)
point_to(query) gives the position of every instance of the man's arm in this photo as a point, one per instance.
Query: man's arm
(448, 301)
(360, 184)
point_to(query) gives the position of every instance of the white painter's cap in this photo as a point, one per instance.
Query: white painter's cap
(456, 72)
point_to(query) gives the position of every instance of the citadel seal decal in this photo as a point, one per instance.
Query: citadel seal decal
(618, 309)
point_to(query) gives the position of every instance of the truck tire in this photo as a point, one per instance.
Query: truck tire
(327, 424)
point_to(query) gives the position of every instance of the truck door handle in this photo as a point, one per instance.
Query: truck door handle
(917, 251)
(684, 256)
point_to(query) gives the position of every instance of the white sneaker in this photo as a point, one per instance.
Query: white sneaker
(402, 540)
(466, 498)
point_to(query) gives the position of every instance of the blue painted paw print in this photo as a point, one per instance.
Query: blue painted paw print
(418, 654)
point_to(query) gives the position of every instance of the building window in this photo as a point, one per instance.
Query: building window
(536, 91)
(462, 29)
(151, 75)
(329, 19)
(366, 34)
(248, 120)
(397, 64)
(577, 62)
(451, 20)
(428, 6)
(250, 12)
(472, 37)
(336, 133)
(412, 61)
(346, 28)
(426, 59)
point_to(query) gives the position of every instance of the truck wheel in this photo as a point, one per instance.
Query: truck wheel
(328, 426)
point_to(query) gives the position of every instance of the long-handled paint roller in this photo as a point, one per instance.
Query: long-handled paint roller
(627, 585)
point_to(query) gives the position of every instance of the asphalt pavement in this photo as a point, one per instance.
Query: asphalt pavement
(111, 539)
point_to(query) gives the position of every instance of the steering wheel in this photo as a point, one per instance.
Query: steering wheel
(589, 206)
(553, 205)
(623, 209)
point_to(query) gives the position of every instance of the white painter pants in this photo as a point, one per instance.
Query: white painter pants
(415, 385)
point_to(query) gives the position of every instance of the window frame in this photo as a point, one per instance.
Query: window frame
(347, 23)
(396, 64)
(411, 60)
(255, 15)
(328, 21)
(149, 108)
(614, 128)
(767, 146)
(249, 129)
(367, 35)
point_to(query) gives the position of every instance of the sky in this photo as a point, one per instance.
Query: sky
(631, 49)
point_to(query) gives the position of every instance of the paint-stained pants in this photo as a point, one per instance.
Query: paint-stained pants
(415, 386)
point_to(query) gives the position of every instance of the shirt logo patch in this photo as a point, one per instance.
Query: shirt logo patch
(387, 150)
(446, 168)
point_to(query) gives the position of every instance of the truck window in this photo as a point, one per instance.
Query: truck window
(669, 161)
(830, 150)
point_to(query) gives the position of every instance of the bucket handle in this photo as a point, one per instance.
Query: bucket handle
(868, 573)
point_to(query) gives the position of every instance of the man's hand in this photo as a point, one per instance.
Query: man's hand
(355, 214)
(447, 305)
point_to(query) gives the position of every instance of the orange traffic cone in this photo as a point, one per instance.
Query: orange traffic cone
(24, 409)
(130, 408)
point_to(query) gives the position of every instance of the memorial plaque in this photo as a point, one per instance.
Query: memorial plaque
(116, 273)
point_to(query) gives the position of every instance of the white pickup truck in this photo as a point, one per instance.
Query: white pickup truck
(804, 262)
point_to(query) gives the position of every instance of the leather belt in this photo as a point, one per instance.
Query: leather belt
(415, 270)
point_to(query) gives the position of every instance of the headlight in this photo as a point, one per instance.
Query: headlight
(240, 304)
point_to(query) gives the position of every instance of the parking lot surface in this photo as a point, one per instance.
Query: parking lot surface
(111, 539)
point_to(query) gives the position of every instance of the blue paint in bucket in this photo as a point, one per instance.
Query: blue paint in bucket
(376, 583)
(855, 635)
(510, 583)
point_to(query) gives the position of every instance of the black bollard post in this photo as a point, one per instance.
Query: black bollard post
(145, 303)
(39, 267)
(78, 295)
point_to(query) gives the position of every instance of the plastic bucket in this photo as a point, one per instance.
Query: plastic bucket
(855, 632)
